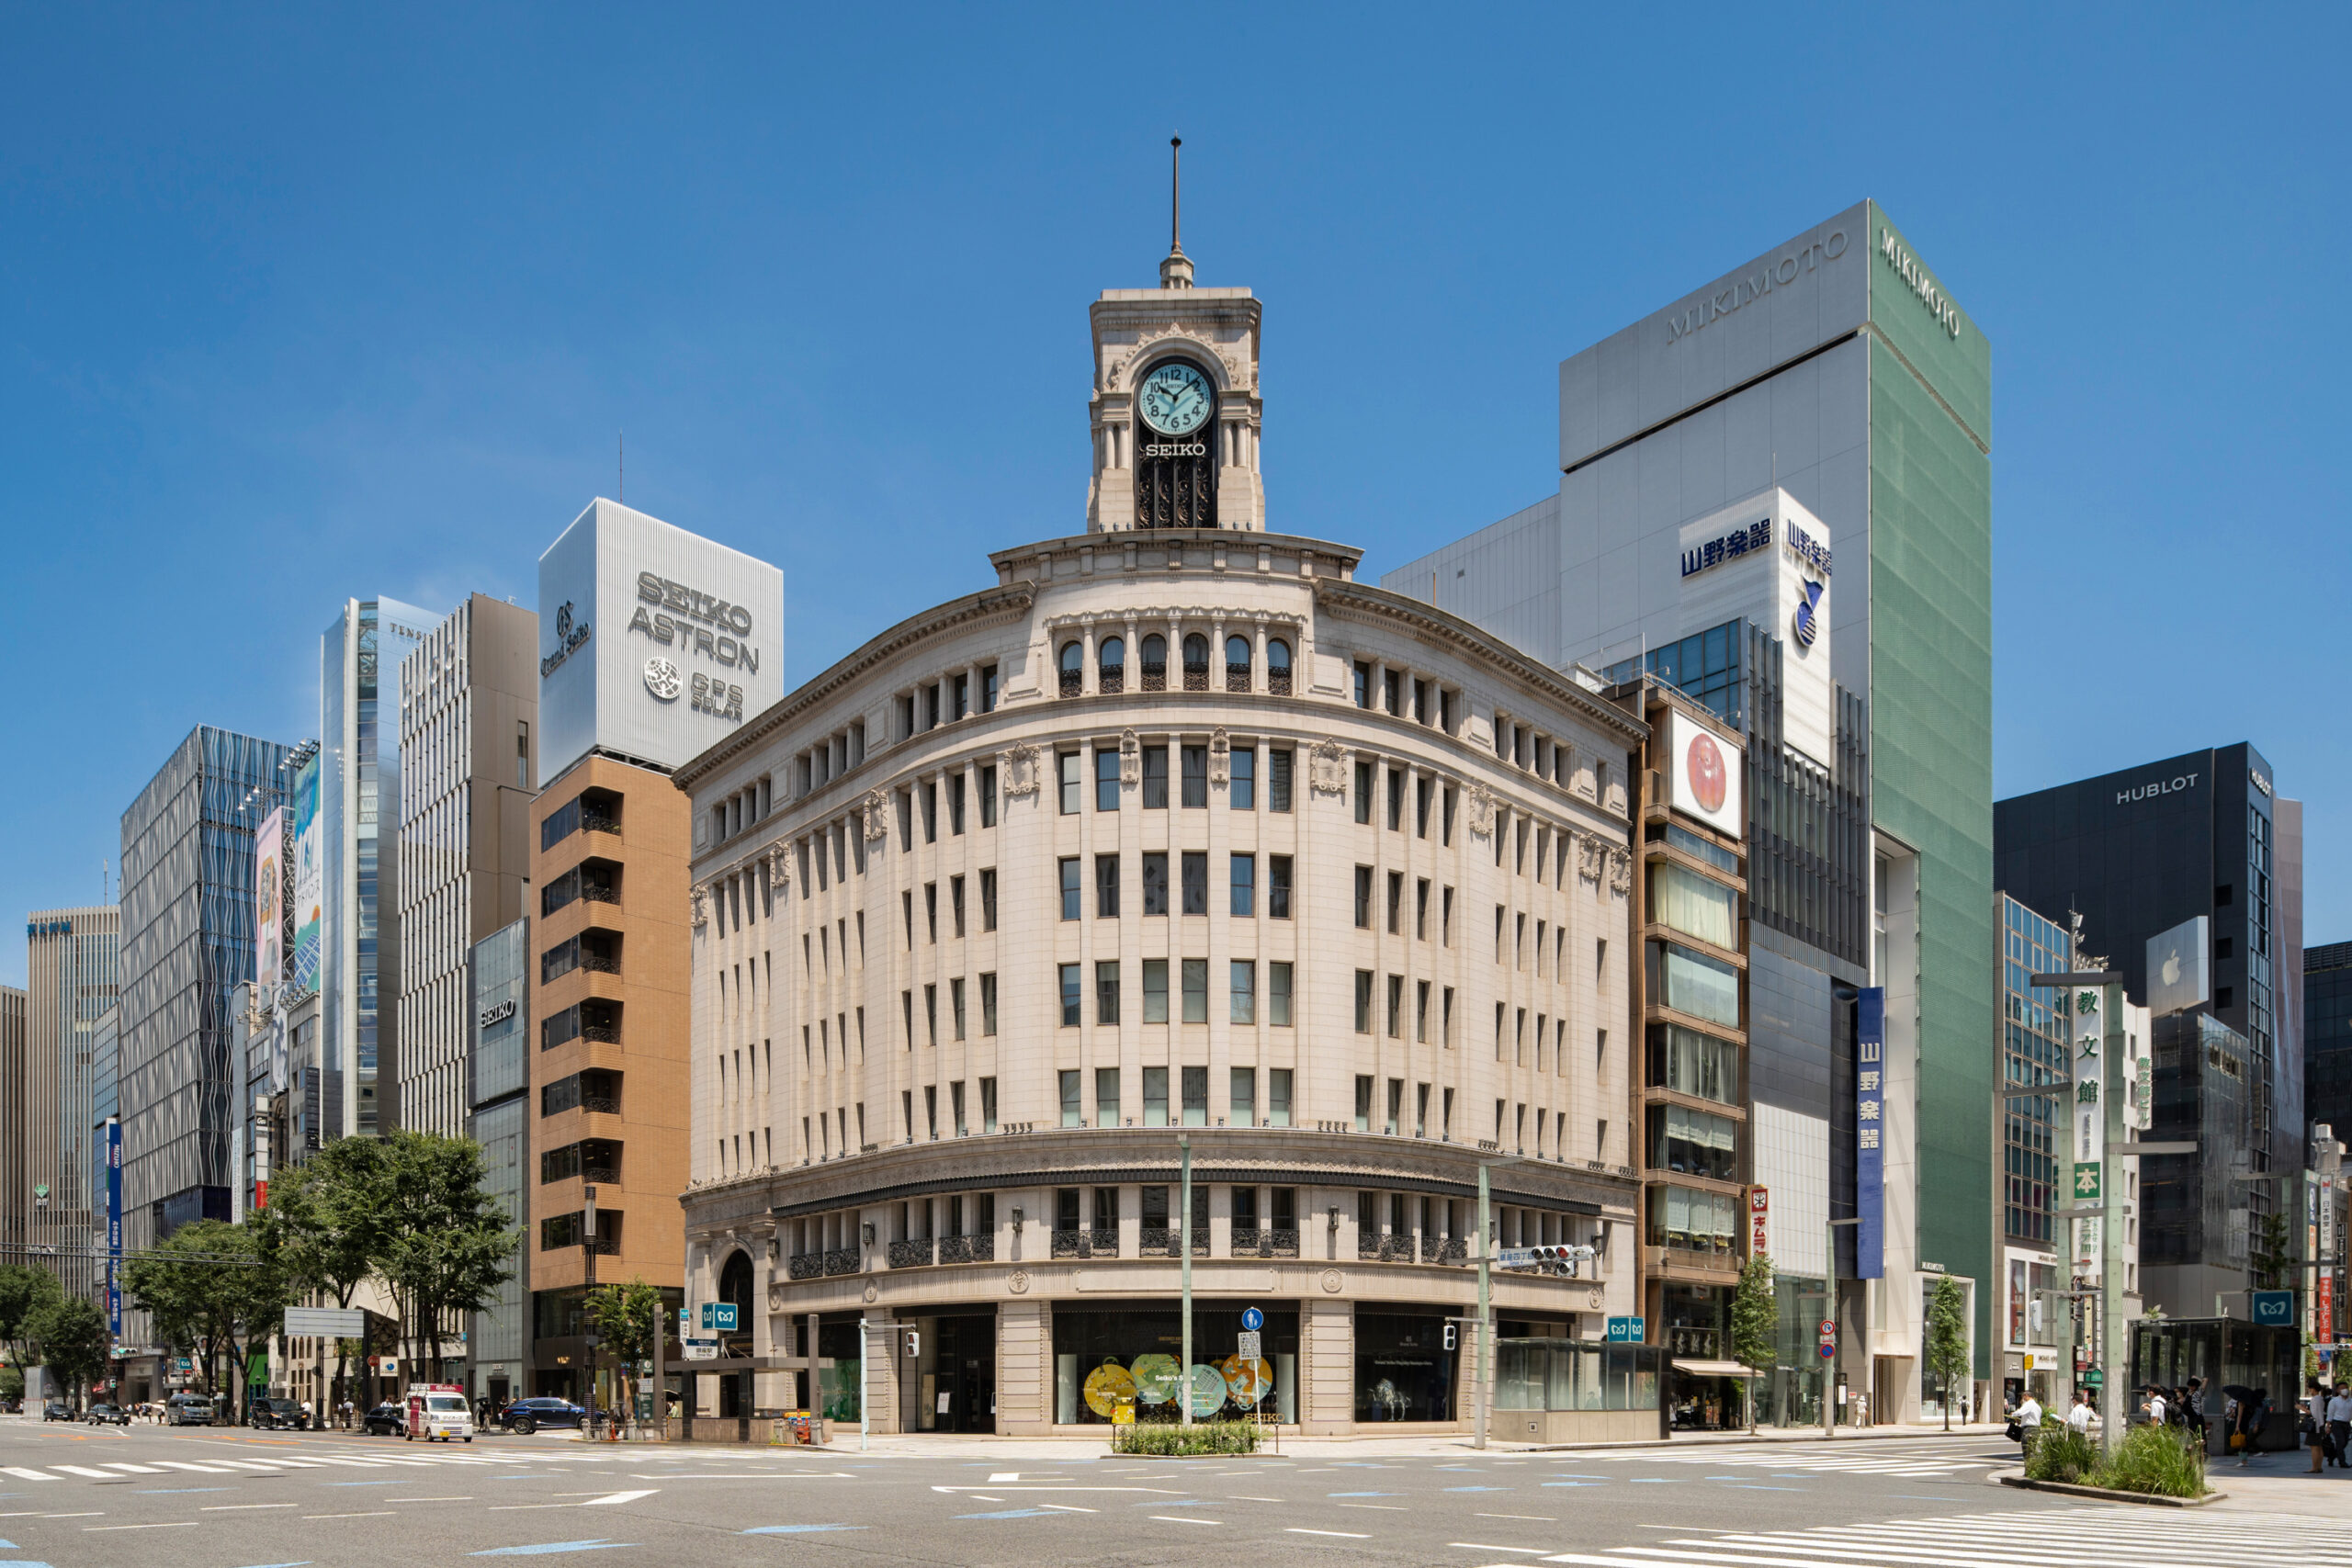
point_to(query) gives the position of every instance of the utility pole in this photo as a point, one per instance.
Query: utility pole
(1829, 1365)
(1184, 1274)
(1486, 1307)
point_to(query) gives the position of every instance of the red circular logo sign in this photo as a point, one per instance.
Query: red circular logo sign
(1709, 778)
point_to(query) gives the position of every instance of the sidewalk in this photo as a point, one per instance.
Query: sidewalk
(1445, 1445)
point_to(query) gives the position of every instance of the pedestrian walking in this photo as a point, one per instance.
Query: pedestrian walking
(2155, 1404)
(2249, 1409)
(2195, 1399)
(2024, 1421)
(2339, 1426)
(2080, 1415)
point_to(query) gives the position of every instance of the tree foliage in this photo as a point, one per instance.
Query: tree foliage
(625, 1317)
(447, 1245)
(74, 1340)
(327, 1227)
(1948, 1337)
(24, 1292)
(211, 1288)
(1754, 1325)
(2273, 1256)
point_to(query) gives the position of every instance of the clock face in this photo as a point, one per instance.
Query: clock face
(1175, 399)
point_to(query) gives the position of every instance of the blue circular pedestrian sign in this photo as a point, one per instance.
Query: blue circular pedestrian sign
(1253, 1319)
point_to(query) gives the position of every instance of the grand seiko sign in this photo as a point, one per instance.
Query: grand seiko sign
(723, 626)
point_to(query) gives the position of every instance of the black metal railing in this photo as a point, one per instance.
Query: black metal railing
(842, 1260)
(1278, 682)
(1159, 1241)
(600, 893)
(1155, 676)
(1237, 677)
(1196, 677)
(1384, 1249)
(605, 1104)
(1445, 1249)
(1073, 682)
(601, 1033)
(911, 1254)
(1249, 1242)
(602, 962)
(603, 1245)
(607, 1173)
(967, 1248)
(1113, 681)
(1699, 1344)
(805, 1266)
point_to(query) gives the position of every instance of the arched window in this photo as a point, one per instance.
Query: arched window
(1073, 668)
(1236, 664)
(1154, 663)
(735, 1285)
(1278, 667)
(1112, 664)
(1196, 663)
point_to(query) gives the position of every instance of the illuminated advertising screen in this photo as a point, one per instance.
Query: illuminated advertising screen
(309, 879)
(269, 892)
(1707, 775)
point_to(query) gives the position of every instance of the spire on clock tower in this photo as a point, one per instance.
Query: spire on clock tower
(1176, 272)
(1175, 410)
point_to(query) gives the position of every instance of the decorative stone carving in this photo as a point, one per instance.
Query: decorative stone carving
(1130, 760)
(1591, 856)
(1018, 767)
(698, 906)
(1332, 1281)
(1580, 781)
(877, 817)
(777, 863)
(1621, 872)
(1482, 811)
(1017, 1282)
(1220, 758)
(1115, 369)
(1327, 768)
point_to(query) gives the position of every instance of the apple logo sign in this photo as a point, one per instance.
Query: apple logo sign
(2172, 968)
(1709, 778)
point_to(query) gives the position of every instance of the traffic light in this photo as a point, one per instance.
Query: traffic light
(914, 1344)
(1453, 1331)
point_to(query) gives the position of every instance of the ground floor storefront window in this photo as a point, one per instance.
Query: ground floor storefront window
(841, 1340)
(1790, 1396)
(1404, 1365)
(1134, 1352)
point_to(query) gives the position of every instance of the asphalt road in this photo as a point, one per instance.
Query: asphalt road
(220, 1498)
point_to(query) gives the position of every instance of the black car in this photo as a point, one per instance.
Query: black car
(386, 1420)
(528, 1415)
(106, 1416)
(274, 1413)
(56, 1410)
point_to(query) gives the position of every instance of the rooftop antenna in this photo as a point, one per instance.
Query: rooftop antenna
(1176, 272)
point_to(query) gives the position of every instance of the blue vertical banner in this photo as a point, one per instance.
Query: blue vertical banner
(114, 1227)
(1869, 1122)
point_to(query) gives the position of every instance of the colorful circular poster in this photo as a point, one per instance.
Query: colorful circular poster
(1247, 1380)
(1106, 1385)
(1208, 1390)
(1156, 1375)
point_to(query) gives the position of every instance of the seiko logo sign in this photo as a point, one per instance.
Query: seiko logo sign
(722, 645)
(1906, 267)
(2258, 782)
(2150, 791)
(499, 1014)
(1175, 450)
(1772, 275)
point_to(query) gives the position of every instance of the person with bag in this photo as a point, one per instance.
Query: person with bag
(2311, 1427)
(2024, 1421)
(2339, 1426)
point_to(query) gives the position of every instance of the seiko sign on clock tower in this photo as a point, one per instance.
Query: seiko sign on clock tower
(1176, 410)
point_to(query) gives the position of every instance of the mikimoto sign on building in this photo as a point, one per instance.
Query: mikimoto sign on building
(655, 644)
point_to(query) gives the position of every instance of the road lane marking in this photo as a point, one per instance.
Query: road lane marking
(619, 1498)
(1383, 1508)
(545, 1546)
(239, 1508)
(1070, 1508)
(21, 1473)
(1533, 1519)
(133, 1468)
(407, 1500)
(800, 1530)
(1482, 1546)
(1343, 1535)
(167, 1525)
(201, 1469)
(1245, 1497)
(84, 1469)
(977, 1498)
(378, 1514)
(1180, 1519)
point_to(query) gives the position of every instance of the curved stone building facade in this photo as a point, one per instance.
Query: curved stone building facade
(1174, 846)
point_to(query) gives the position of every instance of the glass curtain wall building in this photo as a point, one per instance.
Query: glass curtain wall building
(497, 1089)
(72, 966)
(187, 944)
(2327, 1036)
(359, 810)
(2034, 1139)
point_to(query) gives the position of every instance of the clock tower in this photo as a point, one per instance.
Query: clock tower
(1175, 409)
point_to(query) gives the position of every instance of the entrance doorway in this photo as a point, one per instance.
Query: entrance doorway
(964, 1396)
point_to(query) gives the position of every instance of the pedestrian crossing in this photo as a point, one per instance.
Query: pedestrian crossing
(1895, 1458)
(2053, 1538)
(217, 1465)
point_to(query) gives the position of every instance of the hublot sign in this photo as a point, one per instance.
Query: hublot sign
(2150, 791)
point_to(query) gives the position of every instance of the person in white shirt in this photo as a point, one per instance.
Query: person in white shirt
(2155, 1406)
(2027, 1418)
(2339, 1424)
(2080, 1417)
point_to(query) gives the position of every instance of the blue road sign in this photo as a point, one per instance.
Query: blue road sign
(1253, 1319)
(2274, 1309)
(1624, 1331)
(720, 1315)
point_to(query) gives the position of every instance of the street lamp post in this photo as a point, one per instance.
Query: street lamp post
(1486, 1362)
(1830, 1366)
(1184, 1274)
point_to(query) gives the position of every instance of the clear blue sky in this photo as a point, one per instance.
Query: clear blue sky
(307, 306)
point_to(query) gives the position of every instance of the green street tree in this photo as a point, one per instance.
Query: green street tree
(327, 1227)
(625, 1318)
(2272, 1256)
(1948, 1337)
(447, 1242)
(24, 1290)
(74, 1341)
(211, 1288)
(1754, 1327)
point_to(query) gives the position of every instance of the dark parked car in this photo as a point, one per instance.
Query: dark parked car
(387, 1420)
(528, 1415)
(189, 1410)
(56, 1410)
(274, 1413)
(106, 1416)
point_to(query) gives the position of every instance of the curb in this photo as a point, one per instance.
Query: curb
(2104, 1494)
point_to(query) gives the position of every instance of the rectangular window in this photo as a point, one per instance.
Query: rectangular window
(1107, 1097)
(928, 797)
(1196, 1104)
(1243, 1112)
(931, 1014)
(988, 1108)
(1196, 991)
(1155, 883)
(1278, 888)
(1155, 778)
(1396, 903)
(987, 1004)
(1278, 983)
(1421, 1011)
(1071, 1000)
(1278, 772)
(988, 906)
(1106, 778)
(1195, 761)
(1695, 904)
(1197, 882)
(1692, 982)
(1241, 771)
(1155, 990)
(955, 803)
(1424, 792)
(1073, 781)
(984, 788)
(1364, 1001)
(1155, 1098)
(956, 1004)
(1245, 991)
(1396, 1007)
(1363, 684)
(1106, 991)
(906, 1006)
(1445, 1018)
(1446, 836)
(1243, 880)
(1363, 1103)
(1363, 898)
(1073, 1112)
(955, 1108)
(1070, 889)
(955, 907)
(1365, 774)
(930, 912)
(1395, 800)
(1106, 886)
(1395, 1118)
(1278, 1096)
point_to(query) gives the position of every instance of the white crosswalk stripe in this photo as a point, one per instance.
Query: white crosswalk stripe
(221, 1464)
(2057, 1538)
(1853, 1459)
(22, 1473)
